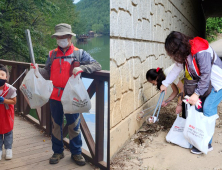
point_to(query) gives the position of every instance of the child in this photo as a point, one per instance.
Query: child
(7, 102)
(156, 76)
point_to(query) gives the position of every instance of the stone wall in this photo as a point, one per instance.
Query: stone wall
(138, 31)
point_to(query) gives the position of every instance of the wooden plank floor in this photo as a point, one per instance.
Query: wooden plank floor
(32, 150)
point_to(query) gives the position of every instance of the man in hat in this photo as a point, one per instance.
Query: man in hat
(62, 61)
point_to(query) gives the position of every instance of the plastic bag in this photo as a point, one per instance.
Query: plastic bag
(175, 135)
(36, 89)
(75, 98)
(199, 129)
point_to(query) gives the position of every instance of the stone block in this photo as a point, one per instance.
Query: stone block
(147, 91)
(142, 51)
(138, 97)
(119, 52)
(135, 2)
(135, 21)
(112, 101)
(145, 29)
(114, 4)
(125, 77)
(111, 48)
(139, 34)
(116, 113)
(131, 79)
(128, 26)
(123, 4)
(130, 7)
(129, 49)
(136, 48)
(114, 31)
(115, 80)
(137, 67)
(127, 104)
(114, 74)
(122, 23)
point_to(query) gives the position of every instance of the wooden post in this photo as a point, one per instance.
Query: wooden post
(99, 120)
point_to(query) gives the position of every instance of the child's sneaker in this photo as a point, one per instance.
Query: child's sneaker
(0, 155)
(8, 154)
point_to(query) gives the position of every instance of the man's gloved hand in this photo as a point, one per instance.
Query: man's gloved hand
(32, 66)
(1, 100)
(76, 71)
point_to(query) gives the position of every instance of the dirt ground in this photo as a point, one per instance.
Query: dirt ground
(148, 149)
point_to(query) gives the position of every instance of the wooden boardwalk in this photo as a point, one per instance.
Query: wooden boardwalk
(32, 150)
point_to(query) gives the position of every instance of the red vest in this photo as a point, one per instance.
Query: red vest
(60, 71)
(197, 44)
(6, 116)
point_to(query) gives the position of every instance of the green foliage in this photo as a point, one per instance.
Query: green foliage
(94, 15)
(213, 26)
(40, 16)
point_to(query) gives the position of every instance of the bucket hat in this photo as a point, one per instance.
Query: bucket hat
(63, 29)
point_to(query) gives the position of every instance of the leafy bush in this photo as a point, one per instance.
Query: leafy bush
(213, 26)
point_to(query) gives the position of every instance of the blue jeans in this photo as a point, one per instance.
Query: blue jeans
(210, 104)
(7, 140)
(73, 122)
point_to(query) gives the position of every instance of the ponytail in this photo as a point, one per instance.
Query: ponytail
(156, 74)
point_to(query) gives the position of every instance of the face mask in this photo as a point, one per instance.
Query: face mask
(2, 82)
(63, 42)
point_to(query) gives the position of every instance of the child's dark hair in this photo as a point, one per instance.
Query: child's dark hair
(154, 74)
(3, 68)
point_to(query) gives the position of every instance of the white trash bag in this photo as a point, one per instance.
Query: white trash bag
(199, 129)
(175, 135)
(75, 98)
(36, 89)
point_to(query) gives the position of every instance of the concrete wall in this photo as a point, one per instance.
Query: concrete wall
(138, 32)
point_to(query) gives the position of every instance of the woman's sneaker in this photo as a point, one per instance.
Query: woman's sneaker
(195, 151)
(0, 155)
(8, 154)
(210, 147)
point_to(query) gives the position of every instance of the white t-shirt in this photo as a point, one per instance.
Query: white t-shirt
(12, 91)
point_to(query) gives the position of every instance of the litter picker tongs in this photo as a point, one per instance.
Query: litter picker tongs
(29, 42)
(14, 82)
(153, 118)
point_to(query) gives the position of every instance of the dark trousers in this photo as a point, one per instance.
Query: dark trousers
(73, 122)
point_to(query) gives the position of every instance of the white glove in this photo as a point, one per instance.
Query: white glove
(76, 71)
(198, 103)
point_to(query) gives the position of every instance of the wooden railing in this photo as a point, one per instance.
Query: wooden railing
(96, 148)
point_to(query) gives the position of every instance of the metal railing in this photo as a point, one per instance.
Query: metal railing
(96, 148)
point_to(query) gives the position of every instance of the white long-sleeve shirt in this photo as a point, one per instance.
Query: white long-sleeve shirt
(173, 74)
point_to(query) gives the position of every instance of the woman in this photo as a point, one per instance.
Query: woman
(195, 55)
(156, 76)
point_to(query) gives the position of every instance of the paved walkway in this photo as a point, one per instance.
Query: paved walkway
(32, 150)
(217, 46)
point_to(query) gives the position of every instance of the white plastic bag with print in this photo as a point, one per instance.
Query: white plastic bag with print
(175, 135)
(75, 98)
(199, 129)
(36, 89)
